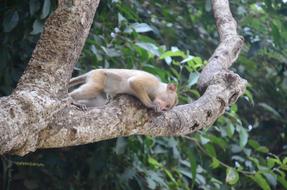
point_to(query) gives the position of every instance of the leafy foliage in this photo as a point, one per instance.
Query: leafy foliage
(245, 149)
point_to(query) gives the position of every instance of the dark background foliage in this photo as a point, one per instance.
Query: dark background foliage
(245, 149)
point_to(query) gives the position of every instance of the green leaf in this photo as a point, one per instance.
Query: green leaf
(10, 21)
(256, 146)
(121, 18)
(230, 129)
(127, 12)
(210, 149)
(176, 53)
(154, 163)
(272, 161)
(121, 145)
(255, 161)
(198, 61)
(169, 175)
(34, 6)
(149, 142)
(282, 180)
(193, 78)
(219, 141)
(243, 136)
(204, 140)
(193, 170)
(185, 172)
(234, 108)
(151, 183)
(193, 165)
(153, 49)
(189, 58)
(111, 52)
(37, 27)
(262, 149)
(260, 180)
(138, 27)
(46, 9)
(271, 178)
(232, 176)
(249, 96)
(270, 109)
(157, 177)
(215, 163)
(207, 5)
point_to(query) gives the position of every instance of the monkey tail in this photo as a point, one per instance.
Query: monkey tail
(77, 80)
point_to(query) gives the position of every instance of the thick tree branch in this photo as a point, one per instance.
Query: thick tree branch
(33, 117)
(37, 97)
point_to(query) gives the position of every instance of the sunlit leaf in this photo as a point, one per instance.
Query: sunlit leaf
(172, 54)
(138, 27)
(215, 163)
(153, 49)
(189, 58)
(232, 176)
(153, 162)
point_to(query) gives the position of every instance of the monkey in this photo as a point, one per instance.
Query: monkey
(153, 93)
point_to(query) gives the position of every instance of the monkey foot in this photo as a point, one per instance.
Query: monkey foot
(79, 106)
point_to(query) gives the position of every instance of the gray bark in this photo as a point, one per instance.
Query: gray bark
(37, 114)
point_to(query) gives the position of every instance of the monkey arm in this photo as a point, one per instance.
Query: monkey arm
(138, 87)
(140, 92)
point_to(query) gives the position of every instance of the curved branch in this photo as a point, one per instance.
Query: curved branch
(50, 123)
(229, 48)
(123, 118)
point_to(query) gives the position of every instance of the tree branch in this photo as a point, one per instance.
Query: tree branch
(38, 94)
(37, 119)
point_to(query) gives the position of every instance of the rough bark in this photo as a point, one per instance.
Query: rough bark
(37, 115)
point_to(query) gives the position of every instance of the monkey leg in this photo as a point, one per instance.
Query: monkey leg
(77, 80)
(86, 91)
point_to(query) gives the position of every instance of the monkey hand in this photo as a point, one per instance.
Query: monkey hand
(157, 107)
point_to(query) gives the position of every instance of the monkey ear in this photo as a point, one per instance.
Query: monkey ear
(171, 87)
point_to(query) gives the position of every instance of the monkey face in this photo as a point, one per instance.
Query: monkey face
(166, 100)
